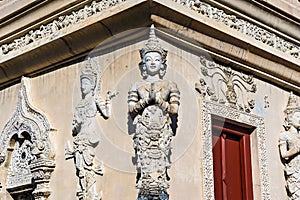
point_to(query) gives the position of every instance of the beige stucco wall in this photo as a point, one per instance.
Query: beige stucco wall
(57, 92)
(274, 121)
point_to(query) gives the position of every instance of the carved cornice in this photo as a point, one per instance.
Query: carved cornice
(226, 86)
(243, 26)
(212, 108)
(51, 29)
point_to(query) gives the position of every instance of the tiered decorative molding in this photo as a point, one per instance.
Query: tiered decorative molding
(26, 134)
(51, 29)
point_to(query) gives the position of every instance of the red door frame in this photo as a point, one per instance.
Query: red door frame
(245, 149)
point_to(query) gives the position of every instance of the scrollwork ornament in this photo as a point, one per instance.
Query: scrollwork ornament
(224, 85)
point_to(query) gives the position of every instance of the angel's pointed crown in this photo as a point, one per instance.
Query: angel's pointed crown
(89, 71)
(152, 45)
(293, 104)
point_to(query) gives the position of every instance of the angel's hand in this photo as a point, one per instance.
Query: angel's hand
(111, 94)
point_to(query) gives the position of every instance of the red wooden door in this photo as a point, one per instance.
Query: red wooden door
(232, 164)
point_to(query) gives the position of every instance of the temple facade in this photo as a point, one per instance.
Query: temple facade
(149, 99)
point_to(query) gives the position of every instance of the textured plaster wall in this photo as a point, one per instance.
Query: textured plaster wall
(274, 121)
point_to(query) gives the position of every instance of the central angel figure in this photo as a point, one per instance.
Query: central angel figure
(153, 105)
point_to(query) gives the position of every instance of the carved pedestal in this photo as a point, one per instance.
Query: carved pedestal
(41, 170)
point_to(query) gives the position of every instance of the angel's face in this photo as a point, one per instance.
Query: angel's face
(153, 63)
(295, 119)
(86, 86)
